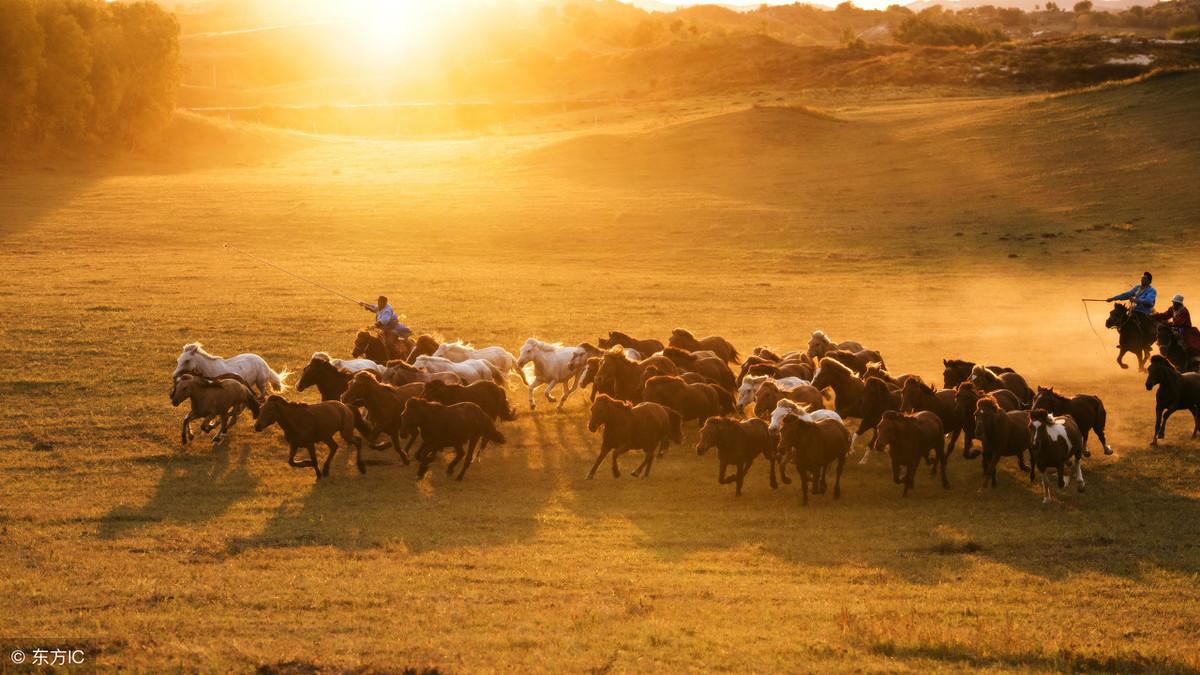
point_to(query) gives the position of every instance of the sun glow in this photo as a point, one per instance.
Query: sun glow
(394, 28)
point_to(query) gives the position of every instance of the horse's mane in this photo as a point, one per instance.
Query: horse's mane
(792, 405)
(834, 364)
(322, 356)
(683, 332)
(403, 365)
(367, 374)
(980, 369)
(820, 336)
(1162, 361)
(681, 353)
(543, 345)
(197, 348)
(608, 400)
(619, 335)
(967, 386)
(458, 343)
(918, 383)
(987, 403)
(874, 382)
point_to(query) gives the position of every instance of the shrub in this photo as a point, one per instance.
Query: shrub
(1191, 32)
(939, 30)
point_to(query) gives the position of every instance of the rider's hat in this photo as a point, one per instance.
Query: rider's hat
(1178, 298)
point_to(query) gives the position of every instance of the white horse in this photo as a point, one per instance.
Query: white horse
(787, 407)
(252, 368)
(500, 357)
(821, 344)
(351, 365)
(553, 364)
(469, 371)
(752, 383)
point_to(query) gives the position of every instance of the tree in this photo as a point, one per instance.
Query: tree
(1052, 6)
(1083, 6)
(21, 50)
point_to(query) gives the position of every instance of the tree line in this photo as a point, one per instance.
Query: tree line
(86, 70)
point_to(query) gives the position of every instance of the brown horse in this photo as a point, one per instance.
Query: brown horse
(384, 404)
(1087, 411)
(957, 371)
(966, 396)
(917, 396)
(648, 427)
(330, 380)
(857, 361)
(622, 379)
(710, 367)
(989, 380)
(1002, 434)
(369, 344)
(489, 396)
(724, 349)
(619, 339)
(400, 373)
(212, 398)
(1056, 440)
(877, 370)
(1176, 391)
(461, 426)
(737, 444)
(814, 446)
(844, 383)
(1175, 348)
(820, 345)
(792, 368)
(306, 424)
(878, 397)
(769, 395)
(1134, 334)
(691, 401)
(911, 437)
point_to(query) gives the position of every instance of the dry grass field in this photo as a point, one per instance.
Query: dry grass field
(926, 229)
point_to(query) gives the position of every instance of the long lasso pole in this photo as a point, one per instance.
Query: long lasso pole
(292, 274)
(1089, 319)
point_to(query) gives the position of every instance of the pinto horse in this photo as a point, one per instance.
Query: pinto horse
(1134, 335)
(1055, 442)
(1176, 391)
(1087, 411)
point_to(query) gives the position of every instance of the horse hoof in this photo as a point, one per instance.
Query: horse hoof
(1123, 366)
(362, 468)
(1081, 488)
(1108, 450)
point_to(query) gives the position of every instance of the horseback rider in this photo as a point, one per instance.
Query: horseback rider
(390, 328)
(1142, 298)
(1180, 320)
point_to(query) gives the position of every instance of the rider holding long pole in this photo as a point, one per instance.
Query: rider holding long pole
(1142, 298)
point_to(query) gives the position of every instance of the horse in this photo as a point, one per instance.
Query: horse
(1175, 349)
(351, 365)
(619, 339)
(819, 344)
(750, 386)
(813, 446)
(711, 367)
(252, 368)
(648, 427)
(219, 398)
(489, 396)
(385, 405)
(769, 394)
(724, 349)
(738, 443)
(877, 370)
(1055, 441)
(878, 397)
(330, 380)
(306, 424)
(621, 378)
(400, 373)
(911, 437)
(1176, 391)
(1002, 434)
(1133, 335)
(691, 401)
(458, 426)
(786, 407)
(966, 395)
(471, 370)
(369, 344)
(917, 396)
(845, 385)
(1087, 411)
(957, 371)
(989, 380)
(858, 361)
(553, 364)
(794, 368)
(500, 357)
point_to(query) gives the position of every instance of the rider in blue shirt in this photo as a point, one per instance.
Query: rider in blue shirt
(1141, 296)
(388, 323)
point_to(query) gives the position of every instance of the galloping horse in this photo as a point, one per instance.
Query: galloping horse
(252, 368)
(553, 364)
(1134, 337)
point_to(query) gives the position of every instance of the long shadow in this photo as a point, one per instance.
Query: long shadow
(496, 504)
(195, 486)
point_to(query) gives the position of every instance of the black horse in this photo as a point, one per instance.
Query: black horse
(1176, 391)
(1136, 335)
(1173, 347)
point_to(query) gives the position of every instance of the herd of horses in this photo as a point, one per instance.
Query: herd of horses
(805, 409)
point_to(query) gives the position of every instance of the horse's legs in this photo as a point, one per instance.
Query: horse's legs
(1079, 472)
(644, 466)
(783, 470)
(459, 455)
(549, 393)
(358, 460)
(568, 388)
(185, 434)
(1162, 430)
(403, 452)
(599, 458)
(426, 453)
(774, 482)
(470, 459)
(1103, 441)
(333, 448)
(220, 437)
(1121, 355)
(804, 487)
(741, 477)
(721, 479)
(312, 454)
(942, 457)
(1046, 497)
(616, 470)
(537, 380)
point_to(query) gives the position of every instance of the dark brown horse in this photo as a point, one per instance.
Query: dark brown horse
(622, 379)
(1176, 391)
(917, 396)
(912, 437)
(1087, 411)
(1002, 434)
(844, 383)
(966, 396)
(645, 348)
(738, 443)
(1175, 349)
(691, 401)
(878, 397)
(989, 380)
(306, 424)
(877, 370)
(857, 361)
(461, 426)
(489, 396)
(369, 344)
(683, 339)
(384, 404)
(956, 372)
(814, 446)
(710, 367)
(1134, 334)
(330, 380)
(648, 427)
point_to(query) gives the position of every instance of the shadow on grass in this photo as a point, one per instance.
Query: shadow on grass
(195, 486)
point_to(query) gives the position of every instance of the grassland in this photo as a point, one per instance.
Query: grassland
(894, 223)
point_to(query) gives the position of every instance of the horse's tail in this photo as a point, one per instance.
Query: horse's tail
(674, 426)
(507, 412)
(359, 423)
(278, 381)
(514, 366)
(497, 376)
(734, 356)
(726, 400)
(250, 400)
